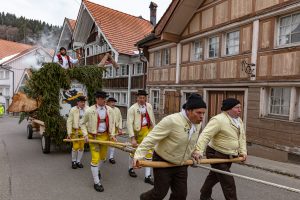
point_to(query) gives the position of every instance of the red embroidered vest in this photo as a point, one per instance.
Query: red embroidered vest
(106, 120)
(60, 60)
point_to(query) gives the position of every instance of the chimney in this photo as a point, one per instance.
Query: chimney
(153, 7)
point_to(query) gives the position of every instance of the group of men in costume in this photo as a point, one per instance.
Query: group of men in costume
(175, 139)
(103, 122)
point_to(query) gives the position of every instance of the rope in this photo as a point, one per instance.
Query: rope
(252, 179)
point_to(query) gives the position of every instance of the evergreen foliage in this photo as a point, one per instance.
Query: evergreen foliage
(45, 85)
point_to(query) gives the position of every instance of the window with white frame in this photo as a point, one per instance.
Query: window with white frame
(117, 96)
(155, 99)
(4, 74)
(117, 71)
(232, 43)
(289, 29)
(139, 69)
(124, 70)
(111, 94)
(109, 72)
(279, 101)
(4, 91)
(166, 56)
(157, 58)
(123, 99)
(196, 51)
(87, 51)
(213, 47)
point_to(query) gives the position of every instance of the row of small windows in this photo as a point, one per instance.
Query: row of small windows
(123, 70)
(288, 33)
(121, 97)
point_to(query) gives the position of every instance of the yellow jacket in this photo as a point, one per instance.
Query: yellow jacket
(134, 118)
(118, 118)
(90, 121)
(223, 135)
(170, 139)
(73, 120)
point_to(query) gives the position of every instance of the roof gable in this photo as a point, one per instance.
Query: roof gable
(8, 48)
(121, 30)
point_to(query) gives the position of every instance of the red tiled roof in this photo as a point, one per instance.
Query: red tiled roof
(122, 30)
(8, 48)
(72, 23)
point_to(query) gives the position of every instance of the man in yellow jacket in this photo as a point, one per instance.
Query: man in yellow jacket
(74, 131)
(140, 121)
(174, 139)
(224, 136)
(111, 102)
(98, 124)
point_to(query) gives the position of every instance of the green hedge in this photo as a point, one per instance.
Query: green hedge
(45, 84)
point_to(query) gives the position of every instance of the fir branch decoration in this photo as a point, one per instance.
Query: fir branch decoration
(45, 84)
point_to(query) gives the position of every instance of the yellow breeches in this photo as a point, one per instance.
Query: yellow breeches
(78, 145)
(139, 136)
(98, 151)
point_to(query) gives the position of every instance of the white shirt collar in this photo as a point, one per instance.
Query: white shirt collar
(193, 126)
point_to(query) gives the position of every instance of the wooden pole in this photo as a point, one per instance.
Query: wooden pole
(161, 164)
(109, 143)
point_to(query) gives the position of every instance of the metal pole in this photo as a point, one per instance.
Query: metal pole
(251, 179)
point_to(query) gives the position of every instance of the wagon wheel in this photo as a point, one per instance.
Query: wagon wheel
(29, 131)
(46, 144)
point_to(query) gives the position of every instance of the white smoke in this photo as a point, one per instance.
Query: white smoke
(47, 39)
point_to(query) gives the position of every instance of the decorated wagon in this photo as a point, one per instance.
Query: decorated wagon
(49, 95)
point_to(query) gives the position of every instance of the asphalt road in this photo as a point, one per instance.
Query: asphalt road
(28, 174)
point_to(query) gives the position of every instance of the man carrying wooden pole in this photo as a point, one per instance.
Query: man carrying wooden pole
(98, 124)
(74, 131)
(140, 121)
(224, 136)
(174, 139)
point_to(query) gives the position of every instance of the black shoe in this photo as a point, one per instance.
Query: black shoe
(98, 187)
(112, 161)
(79, 165)
(149, 180)
(132, 173)
(99, 175)
(74, 165)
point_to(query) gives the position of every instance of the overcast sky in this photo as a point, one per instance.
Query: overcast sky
(54, 11)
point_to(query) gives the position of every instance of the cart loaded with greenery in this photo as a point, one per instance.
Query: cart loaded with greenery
(48, 96)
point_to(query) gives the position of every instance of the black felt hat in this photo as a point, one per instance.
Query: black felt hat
(111, 99)
(81, 98)
(101, 94)
(142, 92)
(62, 48)
(194, 101)
(229, 103)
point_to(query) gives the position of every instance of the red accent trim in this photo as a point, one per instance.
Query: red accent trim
(106, 119)
(148, 119)
(60, 60)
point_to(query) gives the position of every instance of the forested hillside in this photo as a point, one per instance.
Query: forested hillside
(29, 31)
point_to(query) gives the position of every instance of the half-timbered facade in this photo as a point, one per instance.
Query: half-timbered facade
(247, 49)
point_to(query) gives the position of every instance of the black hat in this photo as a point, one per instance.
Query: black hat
(111, 99)
(194, 101)
(229, 103)
(81, 98)
(142, 92)
(101, 94)
(62, 48)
